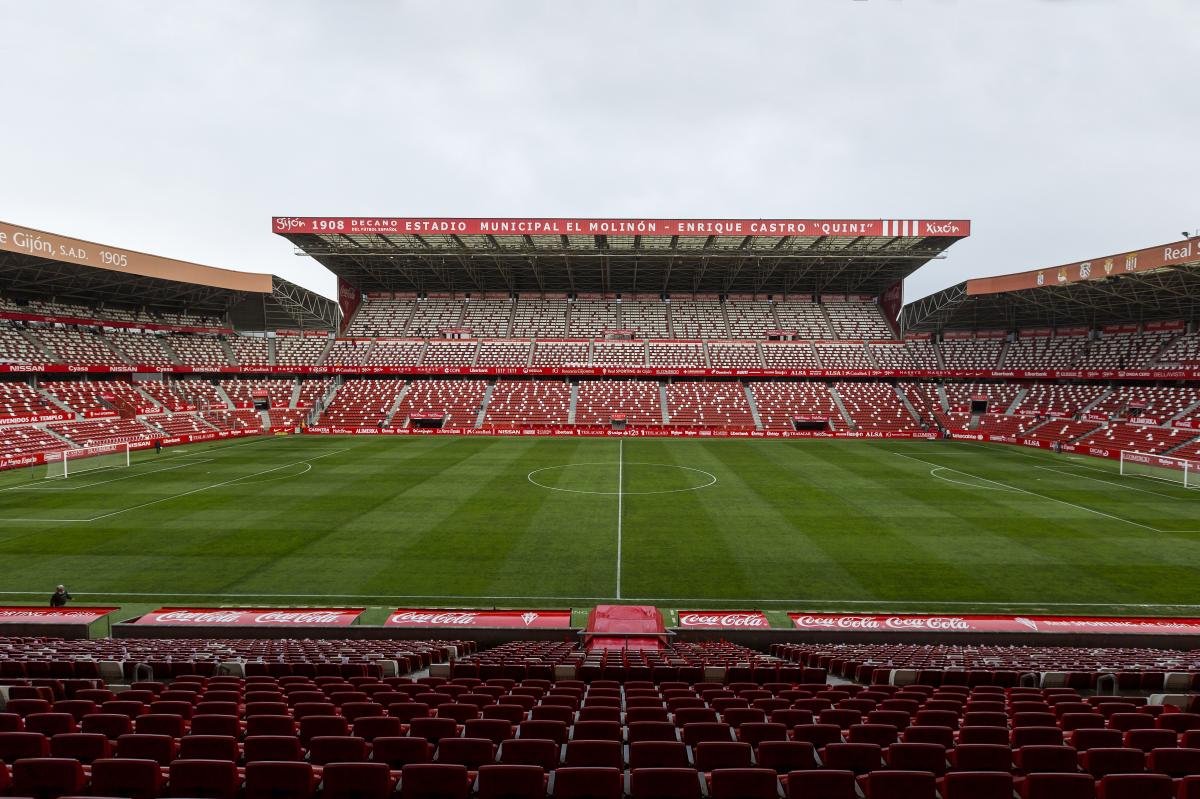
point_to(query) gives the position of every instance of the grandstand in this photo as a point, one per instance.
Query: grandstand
(405, 391)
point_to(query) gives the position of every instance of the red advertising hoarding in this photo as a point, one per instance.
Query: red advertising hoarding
(243, 617)
(1169, 373)
(723, 619)
(556, 226)
(904, 623)
(25, 615)
(442, 617)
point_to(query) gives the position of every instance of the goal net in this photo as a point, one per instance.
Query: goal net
(1160, 467)
(71, 462)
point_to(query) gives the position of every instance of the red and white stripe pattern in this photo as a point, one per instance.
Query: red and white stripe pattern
(901, 227)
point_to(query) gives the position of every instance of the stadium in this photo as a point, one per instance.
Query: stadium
(630, 400)
(699, 502)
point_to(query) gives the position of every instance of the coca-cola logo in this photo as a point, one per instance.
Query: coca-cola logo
(899, 623)
(311, 617)
(700, 619)
(198, 617)
(461, 618)
(927, 623)
(837, 622)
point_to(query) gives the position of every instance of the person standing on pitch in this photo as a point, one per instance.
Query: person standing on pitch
(59, 598)
(158, 446)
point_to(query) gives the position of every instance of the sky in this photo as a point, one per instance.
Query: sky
(1064, 129)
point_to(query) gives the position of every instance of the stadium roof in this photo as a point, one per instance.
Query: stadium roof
(1155, 283)
(36, 264)
(651, 256)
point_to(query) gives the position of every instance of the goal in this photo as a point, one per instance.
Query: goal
(70, 462)
(1160, 467)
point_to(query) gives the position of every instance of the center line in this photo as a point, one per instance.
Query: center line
(620, 498)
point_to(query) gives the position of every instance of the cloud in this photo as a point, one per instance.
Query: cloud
(1064, 130)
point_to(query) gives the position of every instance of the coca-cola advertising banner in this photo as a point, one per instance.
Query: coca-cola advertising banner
(723, 619)
(241, 617)
(24, 615)
(530, 226)
(994, 624)
(441, 617)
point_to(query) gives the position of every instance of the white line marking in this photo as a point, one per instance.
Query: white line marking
(1035, 494)
(42, 487)
(1114, 483)
(620, 503)
(728, 600)
(712, 479)
(306, 470)
(934, 473)
(185, 493)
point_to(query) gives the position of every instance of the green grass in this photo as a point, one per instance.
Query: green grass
(784, 525)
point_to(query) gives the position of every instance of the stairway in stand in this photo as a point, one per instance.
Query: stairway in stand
(625, 627)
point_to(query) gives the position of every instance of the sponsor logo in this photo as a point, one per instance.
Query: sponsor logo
(460, 619)
(723, 620)
(198, 617)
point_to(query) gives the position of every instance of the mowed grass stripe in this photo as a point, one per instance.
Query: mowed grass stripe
(830, 521)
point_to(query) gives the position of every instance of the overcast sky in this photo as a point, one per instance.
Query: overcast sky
(1063, 129)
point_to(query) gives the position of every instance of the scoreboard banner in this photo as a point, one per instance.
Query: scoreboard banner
(842, 623)
(245, 617)
(27, 615)
(441, 617)
(556, 226)
(722, 619)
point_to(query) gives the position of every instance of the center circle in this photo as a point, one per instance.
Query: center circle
(601, 478)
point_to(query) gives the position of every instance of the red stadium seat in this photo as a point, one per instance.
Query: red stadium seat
(665, 783)
(47, 777)
(357, 781)
(509, 781)
(434, 781)
(977, 785)
(587, 783)
(822, 784)
(135, 779)
(208, 779)
(744, 783)
(280, 780)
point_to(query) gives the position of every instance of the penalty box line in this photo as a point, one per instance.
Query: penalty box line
(1041, 496)
(43, 486)
(183, 494)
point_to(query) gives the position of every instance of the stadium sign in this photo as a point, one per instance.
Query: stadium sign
(525, 226)
(722, 619)
(242, 617)
(24, 615)
(441, 617)
(842, 623)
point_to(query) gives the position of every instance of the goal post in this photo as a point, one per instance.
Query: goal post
(1160, 467)
(70, 462)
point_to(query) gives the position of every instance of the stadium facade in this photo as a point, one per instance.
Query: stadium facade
(754, 328)
(601, 327)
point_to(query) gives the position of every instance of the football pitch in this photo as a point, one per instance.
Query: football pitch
(540, 522)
